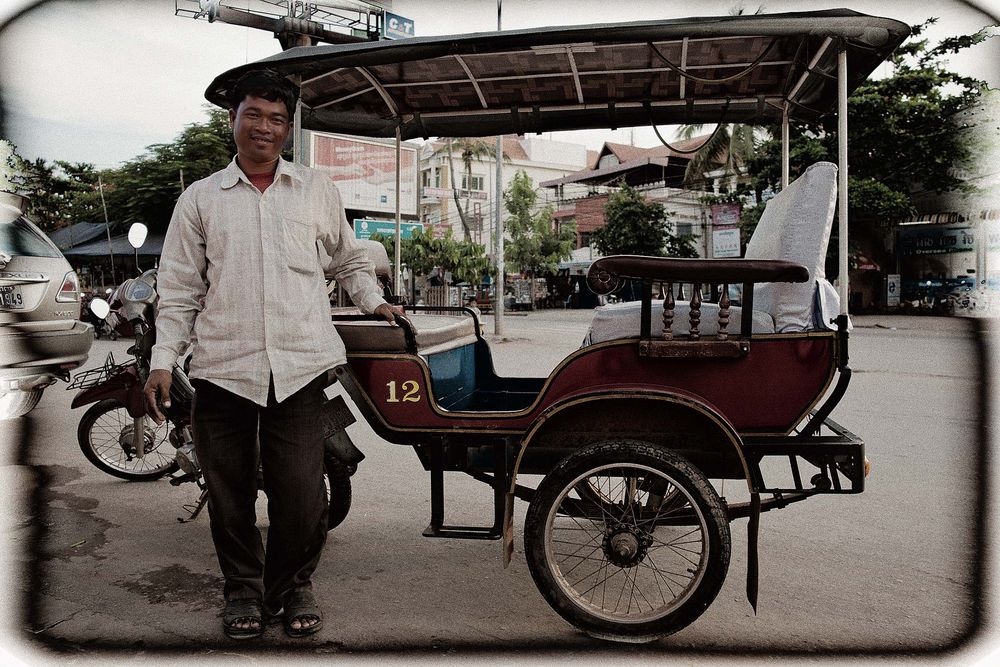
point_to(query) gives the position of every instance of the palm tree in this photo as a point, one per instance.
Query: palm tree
(729, 148)
(470, 148)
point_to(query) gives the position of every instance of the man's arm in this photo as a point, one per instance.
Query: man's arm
(181, 284)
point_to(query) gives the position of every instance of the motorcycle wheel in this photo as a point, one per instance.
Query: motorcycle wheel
(105, 437)
(338, 482)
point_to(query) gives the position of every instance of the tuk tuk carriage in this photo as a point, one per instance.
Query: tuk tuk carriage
(625, 536)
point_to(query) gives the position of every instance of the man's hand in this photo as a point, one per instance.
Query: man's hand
(157, 387)
(386, 312)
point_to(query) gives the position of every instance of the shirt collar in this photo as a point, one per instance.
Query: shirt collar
(232, 174)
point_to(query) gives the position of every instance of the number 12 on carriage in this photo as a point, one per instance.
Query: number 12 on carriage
(410, 392)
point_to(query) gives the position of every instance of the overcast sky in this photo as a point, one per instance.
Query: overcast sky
(98, 81)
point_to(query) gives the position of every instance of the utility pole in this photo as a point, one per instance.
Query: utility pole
(107, 225)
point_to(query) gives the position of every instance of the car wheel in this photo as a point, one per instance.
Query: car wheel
(18, 403)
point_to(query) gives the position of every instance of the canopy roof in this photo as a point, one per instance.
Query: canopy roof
(153, 246)
(76, 234)
(694, 70)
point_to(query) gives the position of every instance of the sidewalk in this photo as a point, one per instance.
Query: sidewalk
(913, 322)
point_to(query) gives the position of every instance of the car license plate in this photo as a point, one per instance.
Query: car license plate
(10, 297)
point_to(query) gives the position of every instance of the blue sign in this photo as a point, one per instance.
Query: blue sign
(363, 229)
(395, 26)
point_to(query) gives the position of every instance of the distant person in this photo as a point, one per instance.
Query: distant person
(240, 274)
(473, 304)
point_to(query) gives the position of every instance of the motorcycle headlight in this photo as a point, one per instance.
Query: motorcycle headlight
(139, 290)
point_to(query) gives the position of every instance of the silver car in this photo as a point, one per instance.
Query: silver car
(41, 335)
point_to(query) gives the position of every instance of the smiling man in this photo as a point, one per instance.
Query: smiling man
(241, 275)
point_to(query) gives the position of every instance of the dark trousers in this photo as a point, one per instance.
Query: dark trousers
(226, 432)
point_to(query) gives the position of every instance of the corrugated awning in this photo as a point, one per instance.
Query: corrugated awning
(77, 234)
(119, 246)
(696, 70)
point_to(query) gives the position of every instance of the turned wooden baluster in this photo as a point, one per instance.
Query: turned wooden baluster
(724, 313)
(695, 310)
(668, 313)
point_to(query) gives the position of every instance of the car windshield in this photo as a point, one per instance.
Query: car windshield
(20, 238)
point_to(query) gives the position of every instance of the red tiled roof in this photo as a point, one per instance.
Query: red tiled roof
(627, 153)
(511, 146)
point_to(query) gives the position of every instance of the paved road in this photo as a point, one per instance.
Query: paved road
(104, 564)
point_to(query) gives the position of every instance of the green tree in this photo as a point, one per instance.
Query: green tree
(422, 253)
(145, 189)
(634, 226)
(14, 171)
(906, 134)
(61, 193)
(536, 247)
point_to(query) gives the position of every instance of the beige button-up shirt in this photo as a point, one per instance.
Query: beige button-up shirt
(254, 260)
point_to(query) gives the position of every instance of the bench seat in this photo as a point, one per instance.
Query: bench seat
(433, 333)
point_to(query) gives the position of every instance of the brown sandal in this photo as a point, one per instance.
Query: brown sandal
(246, 609)
(299, 606)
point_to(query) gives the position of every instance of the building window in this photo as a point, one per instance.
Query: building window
(584, 239)
(684, 229)
(477, 183)
(430, 178)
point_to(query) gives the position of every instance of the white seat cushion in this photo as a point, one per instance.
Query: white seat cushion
(621, 320)
(795, 227)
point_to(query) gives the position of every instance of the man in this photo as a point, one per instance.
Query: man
(240, 274)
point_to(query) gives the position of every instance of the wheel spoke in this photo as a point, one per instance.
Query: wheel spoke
(110, 434)
(645, 521)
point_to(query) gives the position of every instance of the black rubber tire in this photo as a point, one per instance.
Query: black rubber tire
(18, 403)
(706, 511)
(85, 435)
(339, 479)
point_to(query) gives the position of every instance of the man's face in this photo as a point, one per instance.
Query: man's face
(260, 128)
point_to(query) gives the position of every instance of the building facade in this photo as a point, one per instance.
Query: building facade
(540, 158)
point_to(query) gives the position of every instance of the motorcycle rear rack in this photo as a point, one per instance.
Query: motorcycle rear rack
(96, 376)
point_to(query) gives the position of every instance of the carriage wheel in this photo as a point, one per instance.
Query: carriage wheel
(637, 556)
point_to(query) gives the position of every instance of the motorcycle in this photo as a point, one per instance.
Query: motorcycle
(119, 438)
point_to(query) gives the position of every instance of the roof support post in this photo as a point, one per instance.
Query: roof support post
(501, 279)
(397, 280)
(298, 136)
(784, 147)
(842, 174)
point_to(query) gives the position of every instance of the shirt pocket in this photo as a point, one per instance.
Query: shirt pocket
(299, 250)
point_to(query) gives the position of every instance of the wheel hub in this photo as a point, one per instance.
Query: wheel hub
(626, 546)
(127, 441)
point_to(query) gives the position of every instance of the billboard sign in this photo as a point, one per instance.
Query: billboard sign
(397, 27)
(363, 229)
(725, 215)
(726, 242)
(440, 193)
(365, 172)
(936, 239)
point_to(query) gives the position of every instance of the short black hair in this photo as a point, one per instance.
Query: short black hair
(267, 85)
